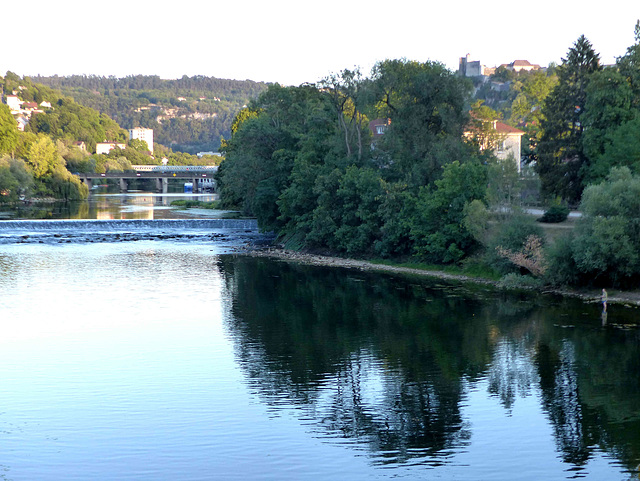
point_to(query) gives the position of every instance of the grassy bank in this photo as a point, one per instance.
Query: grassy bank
(186, 204)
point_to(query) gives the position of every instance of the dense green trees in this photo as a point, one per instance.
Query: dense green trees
(41, 173)
(303, 161)
(8, 131)
(605, 248)
(15, 180)
(589, 120)
(35, 161)
(73, 122)
(560, 151)
(427, 107)
(66, 119)
(194, 124)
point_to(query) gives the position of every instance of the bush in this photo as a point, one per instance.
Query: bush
(187, 204)
(516, 281)
(511, 235)
(555, 214)
(562, 268)
(606, 248)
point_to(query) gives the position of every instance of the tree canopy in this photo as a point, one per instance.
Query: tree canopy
(303, 160)
(560, 155)
(190, 114)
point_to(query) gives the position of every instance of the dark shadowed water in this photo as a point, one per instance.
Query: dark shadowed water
(178, 359)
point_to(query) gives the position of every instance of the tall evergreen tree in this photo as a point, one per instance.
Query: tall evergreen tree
(560, 153)
(629, 66)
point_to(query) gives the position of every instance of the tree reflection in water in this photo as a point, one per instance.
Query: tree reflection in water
(382, 363)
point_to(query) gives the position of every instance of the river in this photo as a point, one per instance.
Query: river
(140, 349)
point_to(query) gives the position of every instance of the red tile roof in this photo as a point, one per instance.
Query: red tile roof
(507, 129)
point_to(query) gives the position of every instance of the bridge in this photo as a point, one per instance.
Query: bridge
(200, 175)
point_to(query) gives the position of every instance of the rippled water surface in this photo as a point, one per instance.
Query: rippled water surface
(165, 359)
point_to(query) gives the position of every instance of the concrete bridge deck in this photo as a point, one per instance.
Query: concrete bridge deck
(200, 175)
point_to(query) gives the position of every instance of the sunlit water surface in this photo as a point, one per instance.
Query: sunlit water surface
(110, 206)
(158, 360)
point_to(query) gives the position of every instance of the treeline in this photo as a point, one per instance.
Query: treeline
(31, 165)
(304, 161)
(194, 124)
(39, 162)
(65, 120)
(579, 116)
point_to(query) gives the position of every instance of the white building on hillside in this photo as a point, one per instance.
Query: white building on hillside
(14, 103)
(141, 133)
(106, 147)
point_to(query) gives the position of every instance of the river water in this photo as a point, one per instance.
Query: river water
(141, 351)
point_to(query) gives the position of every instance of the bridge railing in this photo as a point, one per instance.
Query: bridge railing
(175, 168)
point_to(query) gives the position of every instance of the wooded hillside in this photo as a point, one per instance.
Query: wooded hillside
(189, 114)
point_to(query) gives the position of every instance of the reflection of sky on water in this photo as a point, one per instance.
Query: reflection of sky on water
(147, 205)
(131, 205)
(162, 360)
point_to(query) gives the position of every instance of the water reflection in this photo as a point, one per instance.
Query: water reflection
(106, 206)
(387, 364)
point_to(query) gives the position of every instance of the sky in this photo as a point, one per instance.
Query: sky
(293, 41)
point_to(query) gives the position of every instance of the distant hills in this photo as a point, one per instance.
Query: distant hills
(189, 114)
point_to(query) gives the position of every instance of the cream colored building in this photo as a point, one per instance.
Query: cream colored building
(504, 140)
(518, 65)
(509, 143)
(106, 147)
(141, 133)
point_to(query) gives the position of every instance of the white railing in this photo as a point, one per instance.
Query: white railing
(175, 168)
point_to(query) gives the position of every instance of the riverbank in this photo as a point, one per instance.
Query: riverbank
(627, 298)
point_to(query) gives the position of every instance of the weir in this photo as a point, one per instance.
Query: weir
(126, 225)
(232, 233)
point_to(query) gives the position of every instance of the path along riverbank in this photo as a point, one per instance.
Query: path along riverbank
(628, 298)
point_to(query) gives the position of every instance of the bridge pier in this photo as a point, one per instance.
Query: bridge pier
(123, 185)
(87, 182)
(162, 185)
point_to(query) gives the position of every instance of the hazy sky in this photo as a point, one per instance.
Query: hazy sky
(292, 42)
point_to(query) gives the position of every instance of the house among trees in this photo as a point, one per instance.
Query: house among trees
(473, 68)
(505, 141)
(143, 134)
(519, 65)
(378, 127)
(509, 143)
(106, 147)
(22, 110)
(22, 122)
